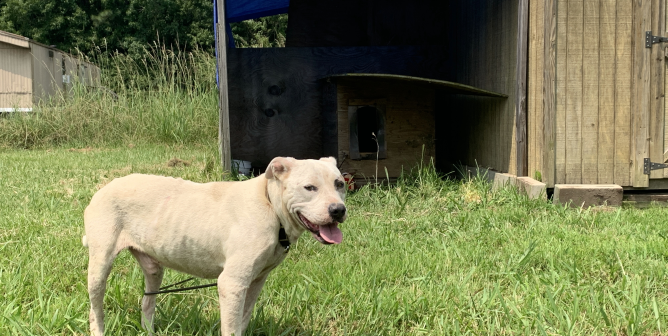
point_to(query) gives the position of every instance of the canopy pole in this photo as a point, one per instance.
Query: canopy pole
(223, 103)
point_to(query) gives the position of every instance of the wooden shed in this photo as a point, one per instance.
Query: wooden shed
(31, 72)
(597, 109)
(576, 87)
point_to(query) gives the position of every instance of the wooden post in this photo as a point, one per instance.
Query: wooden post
(223, 104)
(521, 87)
(550, 93)
(640, 100)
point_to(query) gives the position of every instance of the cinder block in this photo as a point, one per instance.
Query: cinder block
(532, 188)
(587, 195)
(502, 180)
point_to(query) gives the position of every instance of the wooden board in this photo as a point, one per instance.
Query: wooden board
(623, 74)
(640, 100)
(606, 84)
(443, 86)
(521, 88)
(574, 92)
(562, 67)
(657, 95)
(224, 145)
(549, 98)
(590, 91)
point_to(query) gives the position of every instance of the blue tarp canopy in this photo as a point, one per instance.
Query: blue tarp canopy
(239, 10)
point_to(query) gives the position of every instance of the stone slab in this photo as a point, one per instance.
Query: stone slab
(586, 195)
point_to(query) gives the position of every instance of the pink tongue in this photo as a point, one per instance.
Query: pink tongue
(331, 233)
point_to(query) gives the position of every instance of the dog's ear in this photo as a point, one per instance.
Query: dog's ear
(330, 159)
(279, 167)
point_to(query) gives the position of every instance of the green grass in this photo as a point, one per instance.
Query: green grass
(427, 257)
(165, 97)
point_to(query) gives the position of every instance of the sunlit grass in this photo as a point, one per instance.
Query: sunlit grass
(428, 256)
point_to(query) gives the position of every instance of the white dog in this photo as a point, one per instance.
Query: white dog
(227, 231)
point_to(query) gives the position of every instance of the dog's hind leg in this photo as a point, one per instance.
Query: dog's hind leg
(99, 266)
(153, 273)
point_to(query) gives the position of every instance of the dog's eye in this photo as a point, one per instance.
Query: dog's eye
(339, 184)
(311, 188)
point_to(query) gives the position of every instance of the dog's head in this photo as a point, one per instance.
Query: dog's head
(312, 192)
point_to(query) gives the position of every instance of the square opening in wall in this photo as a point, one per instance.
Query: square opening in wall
(367, 132)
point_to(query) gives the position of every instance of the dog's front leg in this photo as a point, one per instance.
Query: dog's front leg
(251, 297)
(232, 289)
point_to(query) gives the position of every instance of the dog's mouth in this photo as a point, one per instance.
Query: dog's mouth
(326, 234)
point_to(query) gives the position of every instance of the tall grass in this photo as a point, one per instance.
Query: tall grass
(165, 95)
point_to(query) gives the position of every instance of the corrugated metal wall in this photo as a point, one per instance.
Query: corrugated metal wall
(15, 77)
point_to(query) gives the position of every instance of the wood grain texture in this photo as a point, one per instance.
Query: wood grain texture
(574, 85)
(623, 78)
(561, 92)
(641, 101)
(535, 79)
(657, 71)
(606, 83)
(483, 35)
(521, 88)
(590, 92)
(223, 92)
(409, 124)
(549, 93)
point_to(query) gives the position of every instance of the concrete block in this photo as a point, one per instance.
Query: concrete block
(532, 188)
(587, 195)
(502, 180)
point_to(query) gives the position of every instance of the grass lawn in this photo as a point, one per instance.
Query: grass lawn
(426, 257)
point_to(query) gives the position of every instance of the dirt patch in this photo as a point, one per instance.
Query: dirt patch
(81, 150)
(176, 162)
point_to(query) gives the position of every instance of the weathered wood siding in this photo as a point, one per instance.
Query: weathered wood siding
(483, 37)
(592, 88)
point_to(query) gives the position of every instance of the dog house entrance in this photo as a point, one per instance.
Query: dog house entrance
(367, 131)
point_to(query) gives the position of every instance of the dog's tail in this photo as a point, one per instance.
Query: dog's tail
(84, 241)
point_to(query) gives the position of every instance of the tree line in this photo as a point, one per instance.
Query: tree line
(128, 26)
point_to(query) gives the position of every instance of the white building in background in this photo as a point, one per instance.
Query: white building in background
(31, 72)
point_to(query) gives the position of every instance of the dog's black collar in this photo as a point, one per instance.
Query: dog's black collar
(283, 239)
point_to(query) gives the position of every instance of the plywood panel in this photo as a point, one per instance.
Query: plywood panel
(623, 65)
(606, 112)
(15, 77)
(409, 126)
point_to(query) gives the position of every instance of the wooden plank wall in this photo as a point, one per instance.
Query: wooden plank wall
(535, 87)
(483, 34)
(593, 90)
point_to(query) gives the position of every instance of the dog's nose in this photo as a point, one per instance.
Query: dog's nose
(337, 211)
